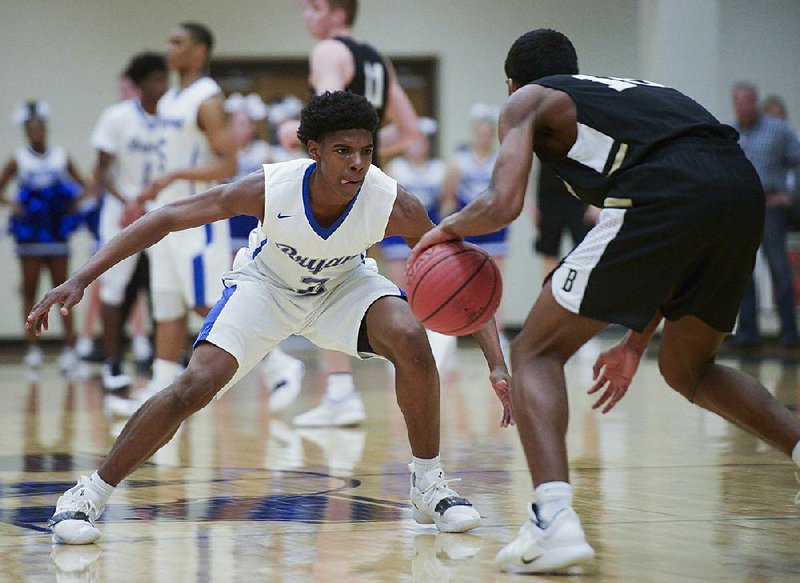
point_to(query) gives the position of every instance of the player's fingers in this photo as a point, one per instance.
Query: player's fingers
(603, 398)
(598, 364)
(598, 385)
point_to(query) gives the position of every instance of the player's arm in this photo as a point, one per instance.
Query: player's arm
(103, 175)
(9, 171)
(404, 126)
(74, 173)
(212, 120)
(504, 200)
(615, 368)
(410, 221)
(244, 197)
(331, 66)
(448, 201)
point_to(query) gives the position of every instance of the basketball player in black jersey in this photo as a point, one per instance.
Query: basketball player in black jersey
(339, 62)
(682, 218)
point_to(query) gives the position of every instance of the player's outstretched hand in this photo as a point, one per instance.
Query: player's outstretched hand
(613, 372)
(501, 383)
(433, 237)
(67, 294)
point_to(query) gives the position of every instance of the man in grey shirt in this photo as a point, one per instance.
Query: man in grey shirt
(773, 148)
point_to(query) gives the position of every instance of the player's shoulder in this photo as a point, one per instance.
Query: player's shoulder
(120, 112)
(290, 170)
(377, 179)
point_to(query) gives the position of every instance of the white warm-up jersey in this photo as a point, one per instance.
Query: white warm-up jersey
(186, 146)
(36, 171)
(299, 253)
(133, 138)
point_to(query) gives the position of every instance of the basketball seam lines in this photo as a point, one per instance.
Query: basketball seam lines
(463, 285)
(486, 307)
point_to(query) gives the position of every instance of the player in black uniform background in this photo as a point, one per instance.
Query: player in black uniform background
(340, 62)
(682, 219)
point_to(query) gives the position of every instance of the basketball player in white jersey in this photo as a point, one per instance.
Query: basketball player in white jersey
(303, 274)
(129, 155)
(340, 62)
(185, 267)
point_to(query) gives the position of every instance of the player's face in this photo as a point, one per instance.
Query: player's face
(182, 51)
(153, 86)
(317, 16)
(343, 159)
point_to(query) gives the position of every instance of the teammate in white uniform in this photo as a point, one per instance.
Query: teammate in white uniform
(304, 274)
(130, 154)
(185, 267)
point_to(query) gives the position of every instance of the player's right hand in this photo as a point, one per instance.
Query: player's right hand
(67, 294)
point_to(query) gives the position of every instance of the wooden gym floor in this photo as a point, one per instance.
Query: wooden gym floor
(666, 491)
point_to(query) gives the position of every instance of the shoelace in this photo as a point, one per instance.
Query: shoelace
(429, 494)
(83, 503)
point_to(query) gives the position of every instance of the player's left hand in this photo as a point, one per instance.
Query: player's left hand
(501, 383)
(433, 237)
(67, 294)
(613, 371)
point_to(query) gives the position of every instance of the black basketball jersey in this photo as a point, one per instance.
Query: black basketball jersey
(620, 121)
(371, 77)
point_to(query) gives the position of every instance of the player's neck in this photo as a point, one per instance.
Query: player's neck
(186, 78)
(326, 204)
(148, 106)
(345, 31)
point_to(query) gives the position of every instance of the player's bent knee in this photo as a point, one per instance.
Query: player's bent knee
(408, 343)
(193, 390)
(677, 377)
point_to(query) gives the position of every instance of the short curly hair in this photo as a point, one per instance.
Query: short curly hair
(540, 53)
(334, 112)
(145, 64)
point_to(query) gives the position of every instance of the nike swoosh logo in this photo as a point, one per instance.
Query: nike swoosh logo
(529, 561)
(283, 216)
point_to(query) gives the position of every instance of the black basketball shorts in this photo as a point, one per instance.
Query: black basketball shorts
(683, 241)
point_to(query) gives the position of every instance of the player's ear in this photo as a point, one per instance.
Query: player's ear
(511, 85)
(313, 149)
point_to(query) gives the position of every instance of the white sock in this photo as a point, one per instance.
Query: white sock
(551, 498)
(796, 454)
(422, 466)
(100, 487)
(340, 385)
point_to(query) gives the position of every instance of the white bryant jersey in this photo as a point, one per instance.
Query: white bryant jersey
(133, 138)
(36, 171)
(298, 253)
(186, 145)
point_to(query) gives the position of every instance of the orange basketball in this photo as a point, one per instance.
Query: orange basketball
(454, 288)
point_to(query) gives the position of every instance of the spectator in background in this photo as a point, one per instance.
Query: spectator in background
(773, 148)
(423, 176)
(469, 174)
(43, 216)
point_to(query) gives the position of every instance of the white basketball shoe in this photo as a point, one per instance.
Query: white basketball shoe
(77, 509)
(546, 548)
(434, 502)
